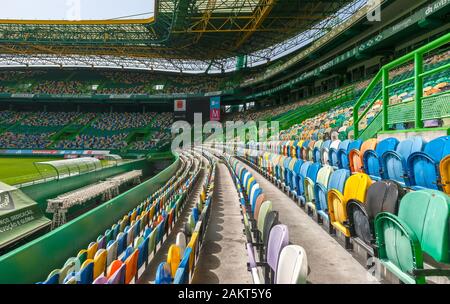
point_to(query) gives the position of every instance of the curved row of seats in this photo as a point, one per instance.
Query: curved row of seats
(117, 255)
(277, 261)
(374, 211)
(183, 255)
(412, 162)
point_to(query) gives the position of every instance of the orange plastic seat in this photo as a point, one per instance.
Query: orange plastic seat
(356, 156)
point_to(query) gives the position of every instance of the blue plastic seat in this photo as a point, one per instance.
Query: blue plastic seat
(163, 274)
(337, 181)
(286, 170)
(311, 175)
(301, 178)
(423, 167)
(372, 159)
(394, 162)
(296, 174)
(343, 153)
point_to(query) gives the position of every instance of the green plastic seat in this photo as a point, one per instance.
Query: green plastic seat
(422, 226)
(266, 207)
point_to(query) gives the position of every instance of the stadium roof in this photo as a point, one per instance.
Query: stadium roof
(184, 35)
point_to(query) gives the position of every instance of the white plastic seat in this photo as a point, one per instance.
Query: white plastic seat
(292, 266)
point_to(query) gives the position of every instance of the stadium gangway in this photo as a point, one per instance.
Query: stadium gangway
(105, 189)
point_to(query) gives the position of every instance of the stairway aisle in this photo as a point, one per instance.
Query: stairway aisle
(329, 262)
(223, 258)
(148, 276)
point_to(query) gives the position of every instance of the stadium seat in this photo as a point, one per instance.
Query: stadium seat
(181, 242)
(300, 179)
(92, 249)
(324, 151)
(292, 266)
(100, 263)
(423, 167)
(86, 273)
(395, 162)
(163, 274)
(356, 155)
(278, 239)
(100, 280)
(372, 158)
(295, 175)
(337, 182)
(332, 153)
(322, 179)
(382, 196)
(173, 259)
(444, 169)
(118, 277)
(316, 151)
(344, 153)
(421, 227)
(142, 246)
(131, 266)
(309, 181)
(355, 189)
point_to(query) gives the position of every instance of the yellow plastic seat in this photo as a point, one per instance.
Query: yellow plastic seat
(100, 263)
(444, 169)
(93, 247)
(174, 258)
(355, 189)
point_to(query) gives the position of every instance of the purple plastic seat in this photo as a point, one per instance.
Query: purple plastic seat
(118, 277)
(278, 239)
(251, 256)
(100, 280)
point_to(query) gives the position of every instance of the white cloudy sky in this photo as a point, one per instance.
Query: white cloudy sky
(68, 9)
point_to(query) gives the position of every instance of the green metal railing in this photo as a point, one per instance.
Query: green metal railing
(418, 110)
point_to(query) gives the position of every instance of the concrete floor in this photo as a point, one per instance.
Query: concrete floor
(148, 275)
(223, 258)
(329, 262)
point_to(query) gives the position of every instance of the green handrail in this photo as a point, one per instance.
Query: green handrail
(383, 76)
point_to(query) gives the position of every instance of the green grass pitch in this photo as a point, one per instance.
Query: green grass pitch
(18, 170)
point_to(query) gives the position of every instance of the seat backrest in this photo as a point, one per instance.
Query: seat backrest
(270, 221)
(313, 171)
(323, 175)
(304, 168)
(427, 213)
(173, 258)
(131, 266)
(356, 187)
(444, 169)
(163, 274)
(372, 159)
(292, 266)
(338, 179)
(388, 144)
(409, 146)
(278, 239)
(181, 242)
(266, 207)
(118, 277)
(99, 262)
(297, 166)
(260, 199)
(422, 167)
(438, 148)
(383, 196)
